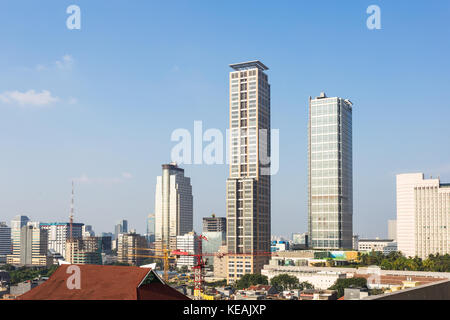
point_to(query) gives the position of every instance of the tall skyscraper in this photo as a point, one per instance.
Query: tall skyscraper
(330, 185)
(423, 219)
(248, 185)
(5, 241)
(173, 206)
(16, 226)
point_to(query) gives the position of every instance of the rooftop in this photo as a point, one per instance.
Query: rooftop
(249, 65)
(104, 283)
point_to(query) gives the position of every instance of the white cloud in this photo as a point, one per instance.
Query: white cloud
(88, 180)
(127, 175)
(29, 97)
(65, 63)
(40, 67)
(73, 100)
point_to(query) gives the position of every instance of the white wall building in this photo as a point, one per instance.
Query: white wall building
(173, 206)
(320, 279)
(187, 243)
(423, 207)
(385, 246)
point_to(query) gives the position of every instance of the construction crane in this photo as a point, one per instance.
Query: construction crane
(199, 283)
(165, 256)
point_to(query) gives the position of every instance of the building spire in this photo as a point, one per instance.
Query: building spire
(71, 213)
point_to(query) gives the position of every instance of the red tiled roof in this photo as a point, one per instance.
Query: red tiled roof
(102, 283)
(260, 287)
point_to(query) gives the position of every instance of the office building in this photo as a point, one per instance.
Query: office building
(173, 206)
(5, 241)
(188, 243)
(16, 226)
(59, 233)
(214, 224)
(248, 185)
(32, 248)
(131, 248)
(384, 246)
(392, 229)
(423, 219)
(215, 240)
(330, 190)
(121, 227)
(87, 231)
(84, 251)
(355, 241)
(151, 228)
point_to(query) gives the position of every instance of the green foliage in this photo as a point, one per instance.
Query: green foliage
(158, 261)
(286, 282)
(218, 283)
(341, 284)
(248, 280)
(396, 261)
(119, 264)
(29, 273)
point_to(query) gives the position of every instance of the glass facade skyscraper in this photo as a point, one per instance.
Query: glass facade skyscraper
(330, 185)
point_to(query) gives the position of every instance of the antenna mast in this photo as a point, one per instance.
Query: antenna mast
(71, 214)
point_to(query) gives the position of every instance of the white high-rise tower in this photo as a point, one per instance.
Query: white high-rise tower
(173, 206)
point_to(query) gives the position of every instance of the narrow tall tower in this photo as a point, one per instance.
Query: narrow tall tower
(248, 185)
(173, 206)
(71, 213)
(330, 187)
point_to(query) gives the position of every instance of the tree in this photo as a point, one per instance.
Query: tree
(248, 280)
(305, 285)
(341, 284)
(184, 269)
(284, 282)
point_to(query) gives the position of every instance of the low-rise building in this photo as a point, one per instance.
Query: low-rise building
(385, 246)
(320, 279)
(313, 294)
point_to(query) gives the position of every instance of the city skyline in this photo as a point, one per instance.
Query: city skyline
(107, 140)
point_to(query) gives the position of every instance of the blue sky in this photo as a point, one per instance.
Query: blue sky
(107, 98)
